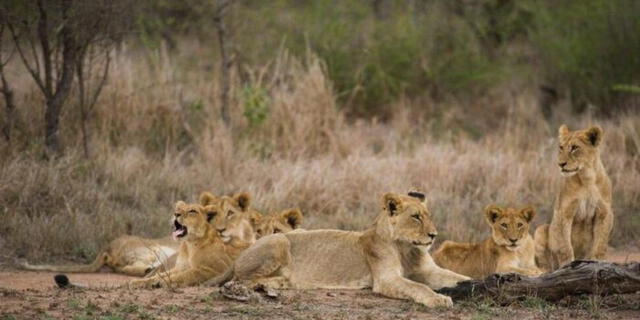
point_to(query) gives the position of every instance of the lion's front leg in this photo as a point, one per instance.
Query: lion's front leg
(402, 288)
(603, 223)
(560, 246)
(531, 272)
(436, 277)
(388, 281)
(174, 278)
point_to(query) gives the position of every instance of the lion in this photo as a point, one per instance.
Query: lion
(279, 222)
(391, 257)
(510, 248)
(203, 252)
(127, 254)
(233, 219)
(582, 216)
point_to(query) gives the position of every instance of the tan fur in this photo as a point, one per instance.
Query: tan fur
(391, 257)
(202, 255)
(231, 217)
(130, 255)
(582, 217)
(510, 248)
(279, 222)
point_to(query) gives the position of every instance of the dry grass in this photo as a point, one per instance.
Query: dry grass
(156, 139)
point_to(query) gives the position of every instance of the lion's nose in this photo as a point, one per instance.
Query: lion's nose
(221, 230)
(513, 240)
(432, 235)
(562, 164)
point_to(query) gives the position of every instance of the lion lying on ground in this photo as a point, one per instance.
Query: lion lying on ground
(582, 216)
(510, 248)
(130, 255)
(203, 253)
(279, 222)
(233, 219)
(392, 256)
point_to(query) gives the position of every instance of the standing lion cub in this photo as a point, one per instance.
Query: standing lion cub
(582, 216)
(392, 256)
(510, 248)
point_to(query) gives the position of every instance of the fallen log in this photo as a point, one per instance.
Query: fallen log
(575, 278)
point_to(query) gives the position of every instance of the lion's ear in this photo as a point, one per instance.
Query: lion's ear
(180, 205)
(563, 131)
(206, 198)
(528, 213)
(492, 213)
(292, 217)
(210, 212)
(243, 200)
(391, 203)
(594, 135)
(255, 218)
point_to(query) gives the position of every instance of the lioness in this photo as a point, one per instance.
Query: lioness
(279, 222)
(130, 255)
(582, 217)
(392, 256)
(203, 253)
(510, 248)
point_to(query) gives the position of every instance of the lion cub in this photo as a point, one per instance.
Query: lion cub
(510, 248)
(203, 253)
(582, 216)
(279, 222)
(392, 256)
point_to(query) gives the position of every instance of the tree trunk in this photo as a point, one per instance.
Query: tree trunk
(63, 88)
(9, 106)
(227, 62)
(577, 277)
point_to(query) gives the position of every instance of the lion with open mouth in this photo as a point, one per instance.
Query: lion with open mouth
(202, 254)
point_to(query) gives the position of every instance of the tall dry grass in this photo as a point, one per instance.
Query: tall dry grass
(156, 139)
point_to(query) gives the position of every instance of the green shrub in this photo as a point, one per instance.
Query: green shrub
(592, 47)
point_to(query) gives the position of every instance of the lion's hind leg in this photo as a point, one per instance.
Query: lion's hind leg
(265, 259)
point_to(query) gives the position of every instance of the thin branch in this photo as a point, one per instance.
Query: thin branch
(34, 73)
(103, 80)
(43, 35)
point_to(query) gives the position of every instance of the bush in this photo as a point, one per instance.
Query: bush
(591, 47)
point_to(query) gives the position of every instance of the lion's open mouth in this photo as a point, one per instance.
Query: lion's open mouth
(180, 230)
(420, 243)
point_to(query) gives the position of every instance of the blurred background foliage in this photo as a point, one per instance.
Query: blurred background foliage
(379, 50)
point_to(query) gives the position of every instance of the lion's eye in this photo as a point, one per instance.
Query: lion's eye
(276, 230)
(574, 148)
(230, 213)
(520, 225)
(561, 148)
(417, 217)
(504, 226)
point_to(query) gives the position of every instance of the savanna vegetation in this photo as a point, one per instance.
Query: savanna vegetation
(114, 110)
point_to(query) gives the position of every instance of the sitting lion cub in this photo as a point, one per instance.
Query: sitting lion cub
(203, 254)
(392, 256)
(582, 216)
(510, 248)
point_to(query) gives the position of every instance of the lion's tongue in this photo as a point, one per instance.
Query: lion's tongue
(177, 233)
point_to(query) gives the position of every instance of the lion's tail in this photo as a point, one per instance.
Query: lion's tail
(95, 266)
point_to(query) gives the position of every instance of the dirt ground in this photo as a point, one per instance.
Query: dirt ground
(33, 295)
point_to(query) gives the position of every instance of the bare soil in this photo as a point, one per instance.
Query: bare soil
(33, 295)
